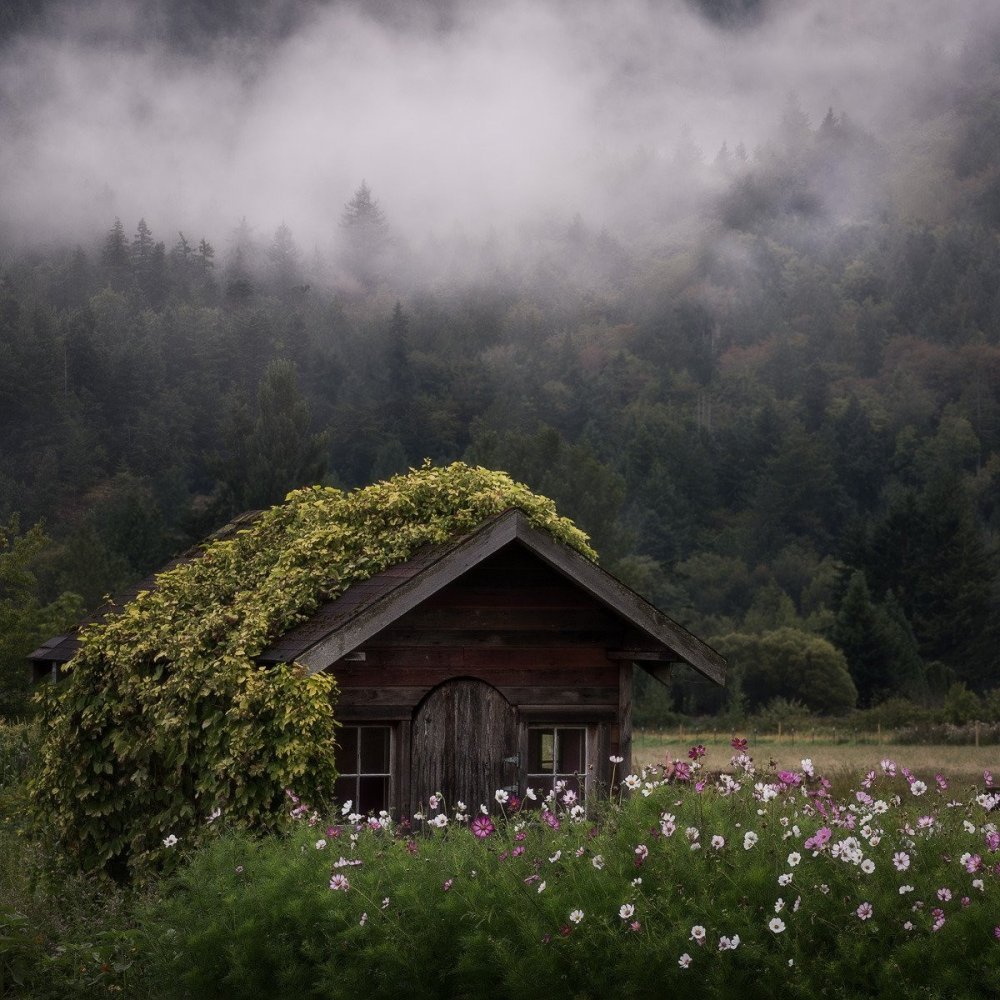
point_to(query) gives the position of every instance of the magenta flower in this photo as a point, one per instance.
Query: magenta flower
(482, 826)
(682, 771)
(993, 841)
(697, 752)
(739, 745)
(551, 819)
(789, 778)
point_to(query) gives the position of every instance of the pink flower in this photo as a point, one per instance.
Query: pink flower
(448, 884)
(901, 861)
(944, 895)
(864, 911)
(993, 841)
(339, 883)
(551, 819)
(482, 826)
(819, 839)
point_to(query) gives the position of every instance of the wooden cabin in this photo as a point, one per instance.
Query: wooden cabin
(501, 659)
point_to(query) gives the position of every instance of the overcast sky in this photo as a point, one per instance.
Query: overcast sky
(512, 108)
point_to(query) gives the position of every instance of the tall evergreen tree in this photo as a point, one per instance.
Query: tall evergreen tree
(365, 235)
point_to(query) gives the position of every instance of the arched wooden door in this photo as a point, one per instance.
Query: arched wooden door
(463, 744)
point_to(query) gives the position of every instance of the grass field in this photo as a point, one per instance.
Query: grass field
(962, 765)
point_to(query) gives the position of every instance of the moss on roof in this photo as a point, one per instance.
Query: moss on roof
(166, 717)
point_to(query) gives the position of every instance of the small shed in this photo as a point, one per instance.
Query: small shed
(499, 659)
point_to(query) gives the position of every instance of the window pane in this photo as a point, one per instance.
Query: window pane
(346, 788)
(541, 745)
(346, 756)
(374, 749)
(542, 784)
(373, 794)
(572, 756)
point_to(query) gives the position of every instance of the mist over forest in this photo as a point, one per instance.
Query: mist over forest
(721, 277)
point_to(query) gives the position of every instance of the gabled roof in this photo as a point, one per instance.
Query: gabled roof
(340, 626)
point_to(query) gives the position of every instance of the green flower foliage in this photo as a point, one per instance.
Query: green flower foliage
(167, 717)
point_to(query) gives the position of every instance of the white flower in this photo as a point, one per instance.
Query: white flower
(785, 879)
(684, 961)
(779, 905)
(626, 910)
(529, 793)
(636, 882)
(794, 858)
(729, 943)
(776, 925)
(170, 840)
(633, 782)
(501, 796)
(904, 889)
(868, 866)
(807, 766)
(918, 787)
(597, 861)
(977, 883)
(346, 807)
(576, 916)
(541, 887)
(555, 857)
(215, 814)
(749, 839)
(320, 844)
(616, 760)
(440, 821)
(969, 827)
(698, 934)
(718, 842)
(434, 801)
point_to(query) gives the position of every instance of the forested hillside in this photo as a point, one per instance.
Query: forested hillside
(773, 402)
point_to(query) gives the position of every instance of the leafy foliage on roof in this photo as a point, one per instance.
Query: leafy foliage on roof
(166, 717)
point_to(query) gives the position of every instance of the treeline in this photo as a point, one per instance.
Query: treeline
(785, 431)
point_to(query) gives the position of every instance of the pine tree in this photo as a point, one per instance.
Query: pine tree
(116, 260)
(365, 237)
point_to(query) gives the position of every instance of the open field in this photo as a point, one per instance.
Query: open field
(960, 764)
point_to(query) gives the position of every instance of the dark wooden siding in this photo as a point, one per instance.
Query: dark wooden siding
(512, 622)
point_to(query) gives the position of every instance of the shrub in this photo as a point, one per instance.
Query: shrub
(165, 716)
(790, 664)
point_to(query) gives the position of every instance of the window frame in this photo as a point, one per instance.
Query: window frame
(581, 777)
(356, 775)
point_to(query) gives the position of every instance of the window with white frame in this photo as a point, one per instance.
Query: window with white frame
(364, 766)
(557, 753)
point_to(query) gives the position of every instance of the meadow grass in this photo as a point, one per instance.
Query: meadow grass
(962, 765)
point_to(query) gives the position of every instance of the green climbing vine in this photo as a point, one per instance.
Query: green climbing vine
(166, 717)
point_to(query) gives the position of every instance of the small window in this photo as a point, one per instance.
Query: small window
(556, 754)
(363, 759)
